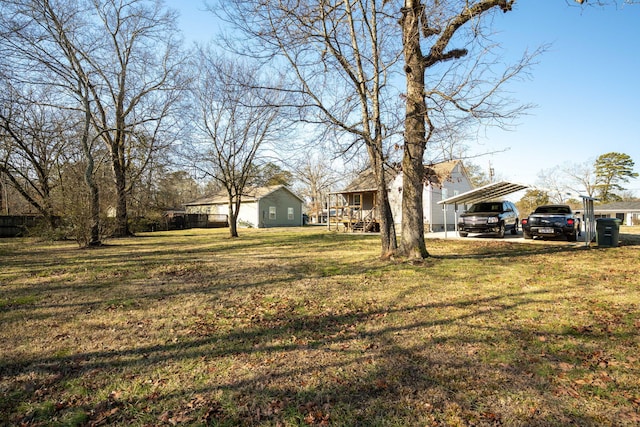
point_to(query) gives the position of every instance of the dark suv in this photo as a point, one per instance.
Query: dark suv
(489, 217)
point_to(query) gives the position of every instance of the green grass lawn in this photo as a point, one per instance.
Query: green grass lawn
(309, 327)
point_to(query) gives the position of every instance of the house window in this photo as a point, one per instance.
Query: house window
(357, 199)
(290, 214)
(272, 212)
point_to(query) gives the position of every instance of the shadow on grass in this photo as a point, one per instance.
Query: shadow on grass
(352, 368)
(293, 360)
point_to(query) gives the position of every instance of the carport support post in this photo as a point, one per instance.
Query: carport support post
(444, 212)
(329, 213)
(589, 219)
(455, 217)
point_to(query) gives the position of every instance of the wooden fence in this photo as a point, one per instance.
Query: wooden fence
(19, 225)
(180, 221)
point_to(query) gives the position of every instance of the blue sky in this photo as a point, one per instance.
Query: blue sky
(586, 87)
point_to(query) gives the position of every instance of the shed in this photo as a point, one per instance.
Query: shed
(260, 207)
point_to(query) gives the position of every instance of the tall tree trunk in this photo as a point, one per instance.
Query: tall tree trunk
(412, 241)
(4, 204)
(94, 233)
(94, 203)
(388, 238)
(387, 226)
(234, 208)
(94, 195)
(119, 174)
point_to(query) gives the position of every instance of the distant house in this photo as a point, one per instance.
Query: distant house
(356, 206)
(261, 207)
(628, 212)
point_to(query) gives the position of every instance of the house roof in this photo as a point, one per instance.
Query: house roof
(484, 193)
(366, 181)
(619, 207)
(436, 174)
(252, 194)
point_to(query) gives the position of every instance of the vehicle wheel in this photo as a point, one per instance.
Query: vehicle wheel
(463, 234)
(572, 237)
(514, 230)
(501, 231)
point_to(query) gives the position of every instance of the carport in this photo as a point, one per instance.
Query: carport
(487, 192)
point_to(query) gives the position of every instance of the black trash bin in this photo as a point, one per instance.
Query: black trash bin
(607, 231)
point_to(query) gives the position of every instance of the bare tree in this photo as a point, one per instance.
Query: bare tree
(555, 184)
(236, 120)
(339, 56)
(137, 84)
(581, 177)
(462, 85)
(40, 141)
(318, 178)
(118, 59)
(32, 138)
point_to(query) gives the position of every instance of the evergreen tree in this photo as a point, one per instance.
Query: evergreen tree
(613, 169)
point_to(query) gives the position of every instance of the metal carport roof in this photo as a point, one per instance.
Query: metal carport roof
(488, 192)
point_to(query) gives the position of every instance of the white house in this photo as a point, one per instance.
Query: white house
(627, 212)
(260, 207)
(356, 206)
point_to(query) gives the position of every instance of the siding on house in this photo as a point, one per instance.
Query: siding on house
(457, 183)
(444, 180)
(255, 207)
(248, 214)
(287, 206)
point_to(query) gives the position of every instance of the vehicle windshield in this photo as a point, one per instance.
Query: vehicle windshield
(553, 210)
(486, 207)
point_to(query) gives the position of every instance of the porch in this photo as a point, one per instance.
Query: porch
(353, 212)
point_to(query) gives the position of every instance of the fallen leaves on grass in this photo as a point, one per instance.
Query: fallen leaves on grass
(315, 415)
(245, 331)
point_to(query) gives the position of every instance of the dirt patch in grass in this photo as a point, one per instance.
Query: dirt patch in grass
(308, 327)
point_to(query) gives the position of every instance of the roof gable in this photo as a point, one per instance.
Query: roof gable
(439, 173)
(366, 180)
(250, 195)
(435, 173)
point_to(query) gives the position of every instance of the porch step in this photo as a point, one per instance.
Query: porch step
(371, 226)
